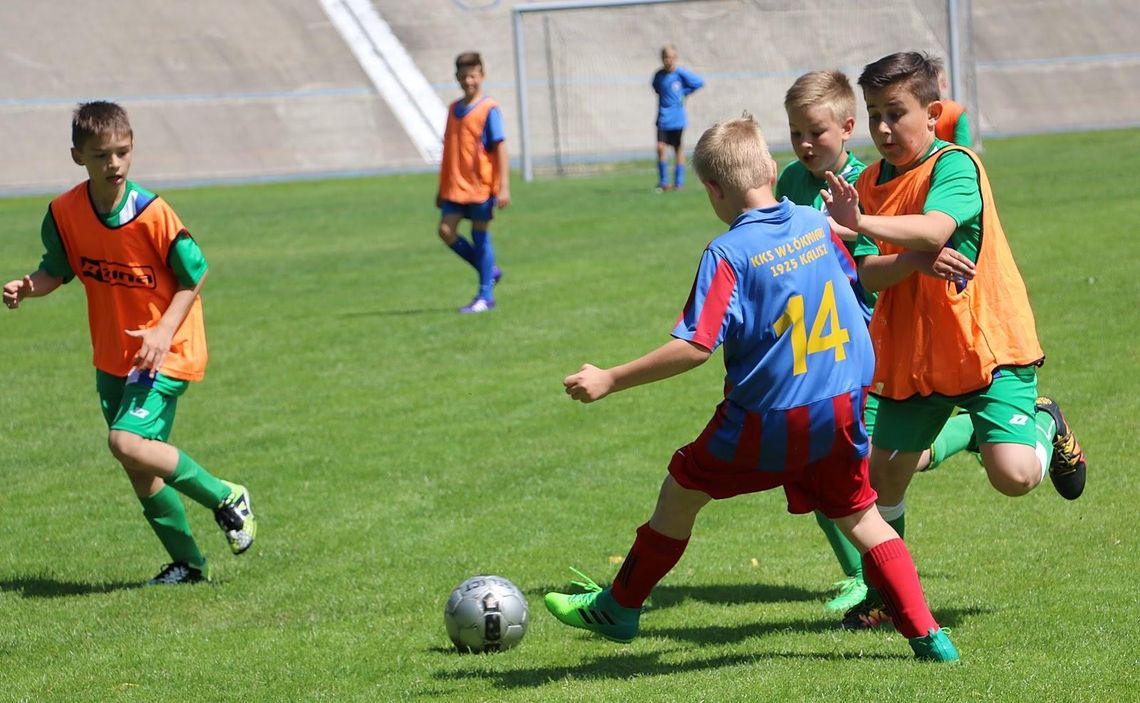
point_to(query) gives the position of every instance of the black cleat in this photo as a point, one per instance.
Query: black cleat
(1067, 467)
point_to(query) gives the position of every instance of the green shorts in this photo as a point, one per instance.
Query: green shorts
(143, 406)
(1002, 413)
(870, 413)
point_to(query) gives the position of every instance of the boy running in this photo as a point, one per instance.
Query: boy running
(142, 273)
(775, 291)
(821, 118)
(954, 342)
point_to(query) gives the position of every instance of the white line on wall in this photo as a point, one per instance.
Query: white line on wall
(393, 72)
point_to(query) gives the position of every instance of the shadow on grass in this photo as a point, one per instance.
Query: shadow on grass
(626, 665)
(623, 664)
(667, 596)
(396, 313)
(41, 587)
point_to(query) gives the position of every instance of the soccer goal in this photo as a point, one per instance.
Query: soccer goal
(583, 69)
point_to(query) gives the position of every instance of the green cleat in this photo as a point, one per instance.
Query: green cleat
(934, 646)
(595, 610)
(235, 517)
(852, 591)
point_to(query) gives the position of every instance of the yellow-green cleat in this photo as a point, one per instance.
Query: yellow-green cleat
(852, 591)
(596, 611)
(235, 517)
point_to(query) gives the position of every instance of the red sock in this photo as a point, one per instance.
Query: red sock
(650, 558)
(890, 570)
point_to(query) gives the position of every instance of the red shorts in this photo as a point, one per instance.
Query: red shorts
(836, 484)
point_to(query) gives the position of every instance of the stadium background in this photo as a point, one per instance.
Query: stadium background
(270, 89)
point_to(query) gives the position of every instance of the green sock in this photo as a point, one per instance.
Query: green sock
(167, 517)
(197, 484)
(899, 524)
(845, 552)
(1046, 429)
(954, 437)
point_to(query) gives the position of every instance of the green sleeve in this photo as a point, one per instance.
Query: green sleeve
(864, 246)
(187, 261)
(962, 131)
(955, 191)
(54, 261)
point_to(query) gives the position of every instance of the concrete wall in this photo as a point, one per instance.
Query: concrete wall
(260, 89)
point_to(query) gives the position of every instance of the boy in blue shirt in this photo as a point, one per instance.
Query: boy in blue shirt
(673, 84)
(775, 290)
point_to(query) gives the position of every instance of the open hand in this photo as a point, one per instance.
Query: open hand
(153, 350)
(842, 201)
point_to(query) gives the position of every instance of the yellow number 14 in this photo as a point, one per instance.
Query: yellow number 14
(804, 343)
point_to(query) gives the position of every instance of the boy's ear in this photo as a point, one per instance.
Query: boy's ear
(76, 156)
(713, 188)
(848, 128)
(934, 111)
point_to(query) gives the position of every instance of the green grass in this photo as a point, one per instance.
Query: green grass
(394, 448)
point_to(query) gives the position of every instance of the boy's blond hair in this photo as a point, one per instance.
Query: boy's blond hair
(735, 155)
(829, 89)
(97, 118)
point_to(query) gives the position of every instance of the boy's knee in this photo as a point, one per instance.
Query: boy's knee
(124, 446)
(447, 233)
(1015, 482)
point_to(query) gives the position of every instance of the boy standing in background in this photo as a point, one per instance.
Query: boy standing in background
(474, 177)
(673, 84)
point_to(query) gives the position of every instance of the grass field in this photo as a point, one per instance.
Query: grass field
(394, 448)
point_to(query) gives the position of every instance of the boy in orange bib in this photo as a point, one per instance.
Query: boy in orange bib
(142, 272)
(967, 339)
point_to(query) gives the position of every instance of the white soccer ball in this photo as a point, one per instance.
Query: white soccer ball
(486, 614)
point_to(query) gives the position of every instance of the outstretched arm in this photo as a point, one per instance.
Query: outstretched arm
(34, 285)
(156, 340)
(670, 359)
(926, 232)
(880, 272)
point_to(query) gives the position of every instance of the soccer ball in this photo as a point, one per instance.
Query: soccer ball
(486, 614)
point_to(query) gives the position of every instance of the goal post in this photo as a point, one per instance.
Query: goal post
(583, 69)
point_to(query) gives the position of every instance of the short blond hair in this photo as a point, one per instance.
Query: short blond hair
(735, 155)
(830, 89)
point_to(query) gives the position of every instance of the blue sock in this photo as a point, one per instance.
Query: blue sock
(485, 261)
(662, 173)
(465, 251)
(679, 175)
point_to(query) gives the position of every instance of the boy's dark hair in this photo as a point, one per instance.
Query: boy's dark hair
(917, 71)
(96, 118)
(468, 59)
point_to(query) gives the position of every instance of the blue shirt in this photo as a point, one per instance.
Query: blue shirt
(492, 129)
(672, 87)
(775, 290)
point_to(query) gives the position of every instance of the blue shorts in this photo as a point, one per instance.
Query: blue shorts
(476, 212)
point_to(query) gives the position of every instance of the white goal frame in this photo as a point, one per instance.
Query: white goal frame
(954, 39)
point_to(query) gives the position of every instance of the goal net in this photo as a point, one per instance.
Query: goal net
(584, 69)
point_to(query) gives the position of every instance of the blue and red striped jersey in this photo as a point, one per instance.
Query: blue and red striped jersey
(776, 291)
